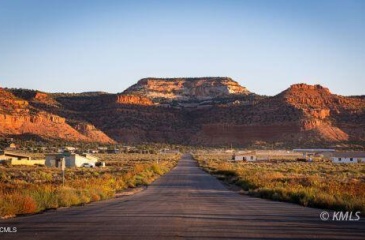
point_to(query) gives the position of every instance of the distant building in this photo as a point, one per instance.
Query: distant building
(12, 146)
(316, 150)
(348, 157)
(5, 155)
(115, 151)
(249, 157)
(169, 151)
(92, 151)
(12, 158)
(69, 149)
(102, 149)
(311, 152)
(71, 160)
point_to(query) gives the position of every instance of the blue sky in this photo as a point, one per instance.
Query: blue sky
(76, 46)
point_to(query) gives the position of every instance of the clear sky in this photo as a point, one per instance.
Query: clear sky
(77, 46)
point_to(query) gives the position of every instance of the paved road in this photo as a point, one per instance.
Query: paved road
(186, 203)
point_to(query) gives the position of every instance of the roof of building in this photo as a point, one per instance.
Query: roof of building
(349, 154)
(60, 154)
(313, 150)
(246, 154)
(14, 154)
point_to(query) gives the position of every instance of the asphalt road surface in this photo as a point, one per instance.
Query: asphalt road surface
(186, 203)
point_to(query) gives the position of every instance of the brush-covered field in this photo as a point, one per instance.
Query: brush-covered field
(316, 184)
(31, 189)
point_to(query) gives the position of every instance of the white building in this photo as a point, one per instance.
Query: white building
(249, 157)
(348, 157)
(71, 160)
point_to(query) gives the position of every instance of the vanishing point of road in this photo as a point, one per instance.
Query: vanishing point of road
(186, 203)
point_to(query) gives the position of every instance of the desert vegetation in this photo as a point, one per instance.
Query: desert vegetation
(25, 190)
(314, 184)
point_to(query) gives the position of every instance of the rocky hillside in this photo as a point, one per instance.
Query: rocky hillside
(301, 115)
(187, 89)
(196, 111)
(26, 113)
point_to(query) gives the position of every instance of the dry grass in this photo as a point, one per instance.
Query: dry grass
(33, 189)
(315, 184)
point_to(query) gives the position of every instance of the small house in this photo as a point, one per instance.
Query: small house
(69, 149)
(102, 149)
(113, 151)
(348, 157)
(249, 157)
(169, 151)
(93, 151)
(71, 160)
(12, 146)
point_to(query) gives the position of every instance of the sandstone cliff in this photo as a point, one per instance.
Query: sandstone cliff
(301, 115)
(19, 117)
(201, 111)
(133, 99)
(186, 89)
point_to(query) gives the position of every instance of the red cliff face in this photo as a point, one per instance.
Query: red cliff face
(134, 99)
(323, 112)
(318, 102)
(302, 115)
(20, 117)
(44, 98)
(42, 124)
(41, 96)
(312, 100)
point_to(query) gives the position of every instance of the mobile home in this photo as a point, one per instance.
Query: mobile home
(348, 157)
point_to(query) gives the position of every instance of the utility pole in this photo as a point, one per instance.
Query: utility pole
(63, 166)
